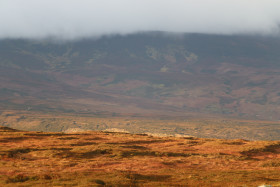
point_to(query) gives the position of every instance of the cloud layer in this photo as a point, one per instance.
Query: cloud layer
(70, 19)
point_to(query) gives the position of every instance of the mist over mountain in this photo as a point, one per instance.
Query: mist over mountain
(144, 74)
(154, 92)
(73, 19)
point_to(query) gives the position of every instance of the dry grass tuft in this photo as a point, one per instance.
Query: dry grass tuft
(271, 163)
(21, 178)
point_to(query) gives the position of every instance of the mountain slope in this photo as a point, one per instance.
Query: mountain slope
(144, 74)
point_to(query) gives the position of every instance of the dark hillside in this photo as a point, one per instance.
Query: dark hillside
(174, 75)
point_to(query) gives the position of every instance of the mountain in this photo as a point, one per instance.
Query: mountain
(144, 74)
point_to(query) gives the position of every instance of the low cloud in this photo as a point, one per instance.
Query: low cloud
(71, 19)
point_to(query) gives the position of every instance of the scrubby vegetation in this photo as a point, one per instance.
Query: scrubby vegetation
(121, 159)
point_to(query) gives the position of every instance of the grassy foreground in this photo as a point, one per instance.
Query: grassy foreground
(120, 159)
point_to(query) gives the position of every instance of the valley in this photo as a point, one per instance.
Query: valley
(164, 126)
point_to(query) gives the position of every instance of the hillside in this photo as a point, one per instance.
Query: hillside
(121, 159)
(144, 74)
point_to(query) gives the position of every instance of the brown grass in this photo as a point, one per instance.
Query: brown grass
(119, 159)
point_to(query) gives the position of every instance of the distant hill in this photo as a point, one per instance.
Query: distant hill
(144, 74)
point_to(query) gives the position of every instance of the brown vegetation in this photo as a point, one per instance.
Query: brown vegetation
(121, 159)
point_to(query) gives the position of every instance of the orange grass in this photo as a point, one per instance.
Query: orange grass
(121, 159)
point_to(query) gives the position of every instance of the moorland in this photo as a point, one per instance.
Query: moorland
(121, 159)
(145, 109)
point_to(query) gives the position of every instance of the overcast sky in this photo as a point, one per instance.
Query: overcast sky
(85, 18)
